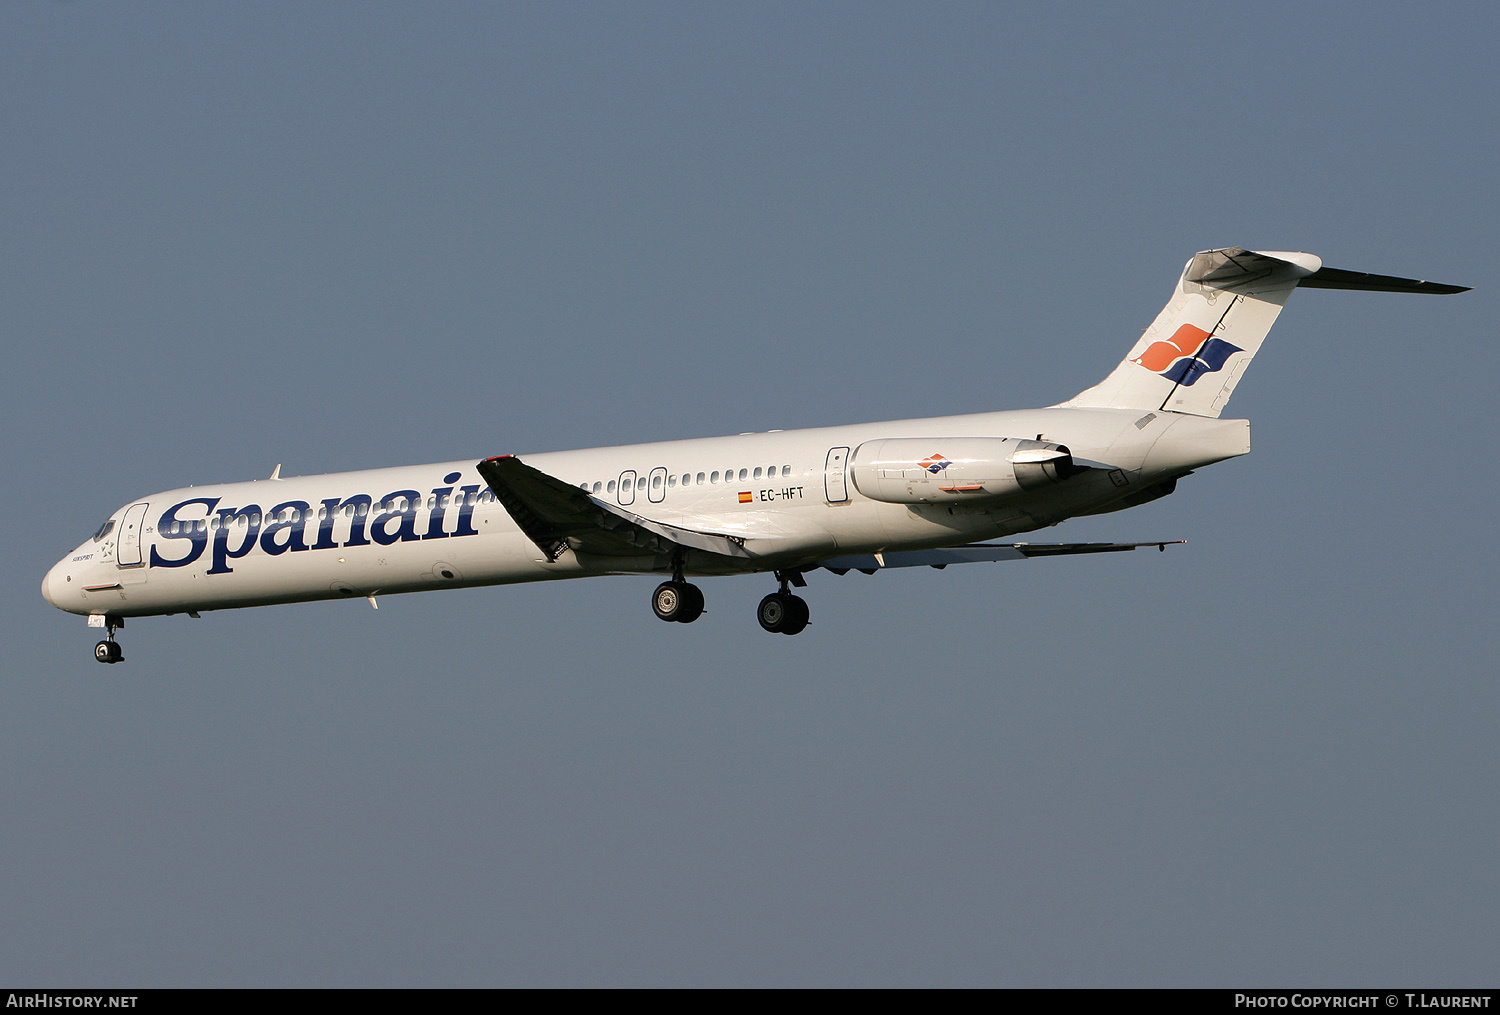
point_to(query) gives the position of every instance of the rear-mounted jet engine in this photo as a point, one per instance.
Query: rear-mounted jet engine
(920, 470)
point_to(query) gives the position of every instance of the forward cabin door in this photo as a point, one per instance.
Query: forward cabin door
(835, 485)
(128, 551)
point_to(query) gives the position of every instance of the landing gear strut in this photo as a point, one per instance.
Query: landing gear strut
(108, 650)
(678, 600)
(781, 612)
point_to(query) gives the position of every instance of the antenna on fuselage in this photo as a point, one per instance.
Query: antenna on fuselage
(276, 472)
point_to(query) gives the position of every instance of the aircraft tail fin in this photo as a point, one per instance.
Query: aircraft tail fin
(1192, 356)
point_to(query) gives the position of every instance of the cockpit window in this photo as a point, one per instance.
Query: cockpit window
(104, 530)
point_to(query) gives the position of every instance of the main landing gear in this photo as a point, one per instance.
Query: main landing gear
(781, 612)
(108, 650)
(678, 600)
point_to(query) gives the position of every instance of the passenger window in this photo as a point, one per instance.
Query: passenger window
(786, 470)
(742, 473)
(700, 479)
(640, 484)
(671, 480)
(757, 473)
(714, 478)
(656, 482)
(611, 487)
(596, 487)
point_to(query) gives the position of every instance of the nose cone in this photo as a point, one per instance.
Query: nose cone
(46, 588)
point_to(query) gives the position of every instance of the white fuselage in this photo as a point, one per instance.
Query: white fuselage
(386, 531)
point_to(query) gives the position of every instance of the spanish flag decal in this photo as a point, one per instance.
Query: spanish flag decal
(745, 497)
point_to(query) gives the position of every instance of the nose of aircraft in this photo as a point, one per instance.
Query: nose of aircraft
(46, 587)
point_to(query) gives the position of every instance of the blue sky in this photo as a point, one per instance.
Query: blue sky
(352, 236)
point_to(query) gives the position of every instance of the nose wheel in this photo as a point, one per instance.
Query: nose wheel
(782, 612)
(108, 650)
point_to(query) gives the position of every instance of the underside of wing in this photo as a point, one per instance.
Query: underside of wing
(869, 563)
(557, 516)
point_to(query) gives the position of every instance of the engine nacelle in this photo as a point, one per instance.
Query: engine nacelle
(934, 470)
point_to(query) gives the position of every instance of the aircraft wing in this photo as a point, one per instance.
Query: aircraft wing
(556, 516)
(869, 563)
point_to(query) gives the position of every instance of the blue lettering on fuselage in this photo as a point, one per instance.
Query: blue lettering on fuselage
(250, 514)
(197, 540)
(293, 527)
(390, 520)
(407, 530)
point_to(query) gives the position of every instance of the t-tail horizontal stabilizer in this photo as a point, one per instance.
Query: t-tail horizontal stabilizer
(1195, 352)
(1338, 278)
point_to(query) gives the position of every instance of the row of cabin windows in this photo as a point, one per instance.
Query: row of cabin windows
(689, 479)
(180, 527)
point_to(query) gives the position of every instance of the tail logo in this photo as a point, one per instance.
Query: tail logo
(1186, 356)
(935, 464)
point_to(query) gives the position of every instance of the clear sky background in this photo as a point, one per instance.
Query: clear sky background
(349, 236)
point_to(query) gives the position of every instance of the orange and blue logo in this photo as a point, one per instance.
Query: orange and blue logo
(935, 464)
(1186, 356)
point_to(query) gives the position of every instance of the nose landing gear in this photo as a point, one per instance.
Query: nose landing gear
(782, 612)
(108, 650)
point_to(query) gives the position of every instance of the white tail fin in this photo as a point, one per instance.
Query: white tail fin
(1198, 347)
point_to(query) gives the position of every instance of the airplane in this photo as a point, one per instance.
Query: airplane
(907, 493)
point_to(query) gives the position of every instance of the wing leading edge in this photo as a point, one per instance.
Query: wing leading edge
(869, 563)
(557, 516)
